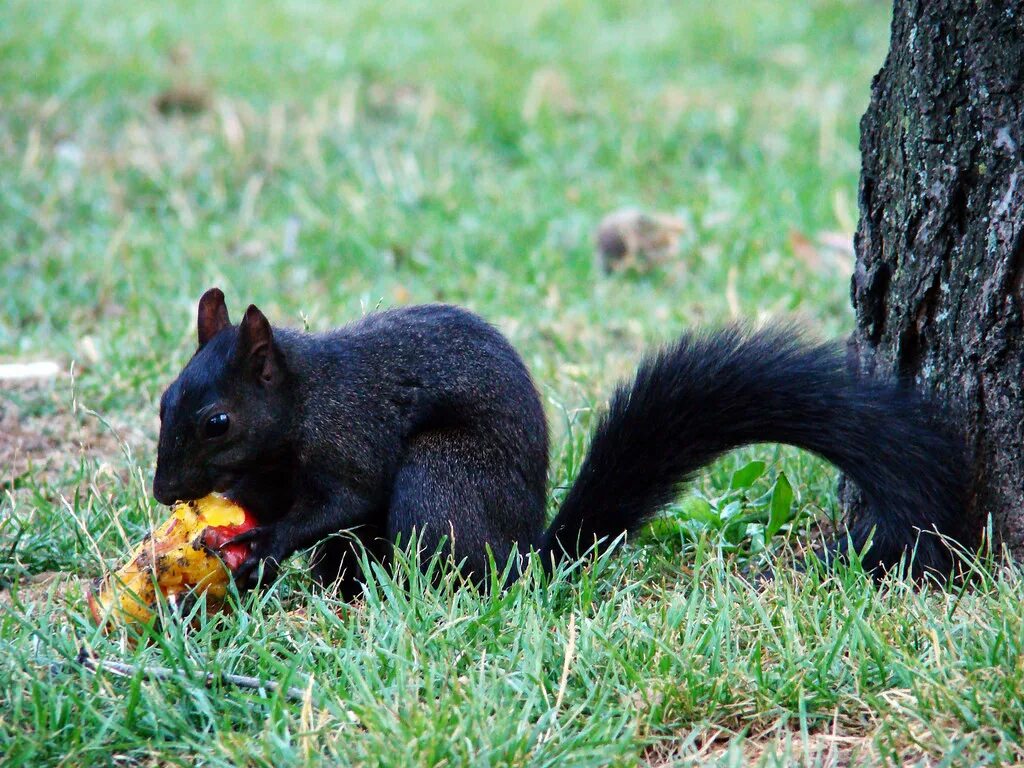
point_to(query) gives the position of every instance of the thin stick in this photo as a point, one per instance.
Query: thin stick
(567, 663)
(121, 669)
(570, 652)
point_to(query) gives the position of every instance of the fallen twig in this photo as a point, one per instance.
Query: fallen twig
(94, 664)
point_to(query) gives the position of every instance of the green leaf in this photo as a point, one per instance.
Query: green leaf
(781, 508)
(666, 529)
(756, 533)
(745, 476)
(730, 510)
(697, 509)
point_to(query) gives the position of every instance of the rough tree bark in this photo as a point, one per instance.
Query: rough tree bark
(938, 288)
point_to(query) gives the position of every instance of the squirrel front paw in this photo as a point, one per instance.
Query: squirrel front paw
(262, 551)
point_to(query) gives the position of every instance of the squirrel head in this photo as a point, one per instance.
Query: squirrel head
(229, 411)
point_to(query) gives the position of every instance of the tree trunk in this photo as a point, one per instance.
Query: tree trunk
(938, 288)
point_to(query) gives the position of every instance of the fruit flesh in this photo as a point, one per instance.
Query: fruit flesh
(186, 555)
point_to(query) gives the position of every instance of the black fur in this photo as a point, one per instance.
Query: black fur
(425, 419)
(422, 418)
(706, 395)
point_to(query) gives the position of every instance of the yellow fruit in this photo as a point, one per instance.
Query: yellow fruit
(175, 561)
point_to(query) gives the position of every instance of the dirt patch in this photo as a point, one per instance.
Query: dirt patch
(58, 586)
(42, 438)
(831, 748)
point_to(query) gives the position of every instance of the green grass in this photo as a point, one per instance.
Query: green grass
(364, 154)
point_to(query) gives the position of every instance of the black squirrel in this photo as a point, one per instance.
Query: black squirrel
(425, 418)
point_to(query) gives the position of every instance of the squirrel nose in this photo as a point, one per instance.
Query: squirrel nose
(162, 496)
(165, 492)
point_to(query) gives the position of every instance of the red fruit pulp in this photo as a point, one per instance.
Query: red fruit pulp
(215, 539)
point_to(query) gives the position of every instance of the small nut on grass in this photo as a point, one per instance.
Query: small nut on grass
(633, 239)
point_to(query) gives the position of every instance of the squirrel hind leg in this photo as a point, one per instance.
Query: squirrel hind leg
(335, 561)
(462, 500)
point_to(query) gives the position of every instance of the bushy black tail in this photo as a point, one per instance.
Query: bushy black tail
(706, 395)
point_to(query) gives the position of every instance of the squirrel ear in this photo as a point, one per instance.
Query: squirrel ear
(213, 315)
(256, 346)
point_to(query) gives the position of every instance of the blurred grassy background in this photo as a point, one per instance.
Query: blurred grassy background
(353, 155)
(344, 156)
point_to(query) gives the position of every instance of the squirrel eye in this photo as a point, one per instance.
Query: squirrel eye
(216, 425)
